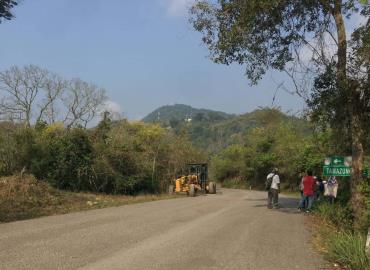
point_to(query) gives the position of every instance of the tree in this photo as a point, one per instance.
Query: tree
(264, 34)
(21, 87)
(54, 88)
(83, 101)
(5, 9)
(32, 94)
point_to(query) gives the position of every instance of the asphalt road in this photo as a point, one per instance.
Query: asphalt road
(230, 230)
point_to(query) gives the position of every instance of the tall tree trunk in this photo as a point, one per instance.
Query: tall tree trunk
(357, 197)
(342, 43)
(350, 92)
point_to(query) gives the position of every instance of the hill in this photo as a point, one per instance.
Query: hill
(213, 131)
(174, 114)
(217, 136)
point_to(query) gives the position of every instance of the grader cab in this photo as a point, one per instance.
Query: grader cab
(195, 180)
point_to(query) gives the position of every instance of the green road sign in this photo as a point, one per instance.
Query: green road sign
(338, 161)
(365, 173)
(337, 171)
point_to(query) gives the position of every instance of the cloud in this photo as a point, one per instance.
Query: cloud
(112, 107)
(176, 8)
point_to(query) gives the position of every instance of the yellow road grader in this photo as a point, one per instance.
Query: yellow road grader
(196, 180)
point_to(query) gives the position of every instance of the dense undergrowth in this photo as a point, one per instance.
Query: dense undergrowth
(275, 141)
(342, 243)
(115, 158)
(347, 248)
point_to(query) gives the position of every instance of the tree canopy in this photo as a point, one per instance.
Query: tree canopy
(5, 9)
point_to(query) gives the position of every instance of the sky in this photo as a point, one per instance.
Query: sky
(144, 53)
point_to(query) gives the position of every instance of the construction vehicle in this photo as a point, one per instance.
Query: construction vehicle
(194, 181)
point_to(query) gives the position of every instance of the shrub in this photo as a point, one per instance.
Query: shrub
(348, 249)
(127, 158)
(229, 164)
(365, 189)
(22, 198)
(235, 183)
(8, 153)
(67, 160)
(336, 214)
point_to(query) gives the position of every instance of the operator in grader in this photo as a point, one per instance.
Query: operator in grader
(183, 183)
(195, 181)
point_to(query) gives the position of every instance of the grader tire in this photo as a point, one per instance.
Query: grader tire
(212, 187)
(170, 189)
(192, 190)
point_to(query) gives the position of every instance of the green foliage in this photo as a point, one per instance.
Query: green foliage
(229, 164)
(274, 140)
(348, 250)
(261, 34)
(70, 158)
(8, 149)
(116, 157)
(214, 131)
(235, 183)
(336, 214)
(365, 189)
(178, 113)
(5, 9)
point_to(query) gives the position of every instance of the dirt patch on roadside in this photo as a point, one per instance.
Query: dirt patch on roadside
(319, 228)
(26, 197)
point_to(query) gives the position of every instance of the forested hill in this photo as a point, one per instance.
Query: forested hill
(213, 131)
(172, 114)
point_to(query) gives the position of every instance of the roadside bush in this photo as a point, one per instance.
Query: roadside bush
(120, 157)
(235, 183)
(348, 250)
(278, 144)
(69, 158)
(365, 189)
(8, 149)
(336, 214)
(22, 198)
(229, 164)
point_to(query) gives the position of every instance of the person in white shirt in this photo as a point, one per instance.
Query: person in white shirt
(274, 190)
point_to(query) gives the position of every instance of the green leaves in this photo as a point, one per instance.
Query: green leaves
(257, 34)
(275, 142)
(5, 9)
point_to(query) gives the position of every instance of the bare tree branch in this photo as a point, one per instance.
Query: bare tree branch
(83, 101)
(31, 94)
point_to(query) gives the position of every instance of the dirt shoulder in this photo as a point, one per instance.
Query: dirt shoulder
(26, 198)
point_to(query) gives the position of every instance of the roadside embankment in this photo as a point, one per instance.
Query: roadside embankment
(26, 197)
(336, 238)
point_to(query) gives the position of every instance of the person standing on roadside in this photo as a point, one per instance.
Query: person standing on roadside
(301, 191)
(319, 189)
(273, 189)
(308, 191)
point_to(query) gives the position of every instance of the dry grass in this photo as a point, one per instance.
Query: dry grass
(25, 198)
(343, 248)
(320, 229)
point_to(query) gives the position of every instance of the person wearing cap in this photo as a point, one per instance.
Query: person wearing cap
(274, 190)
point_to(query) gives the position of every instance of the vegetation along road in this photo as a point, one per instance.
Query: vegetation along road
(230, 230)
